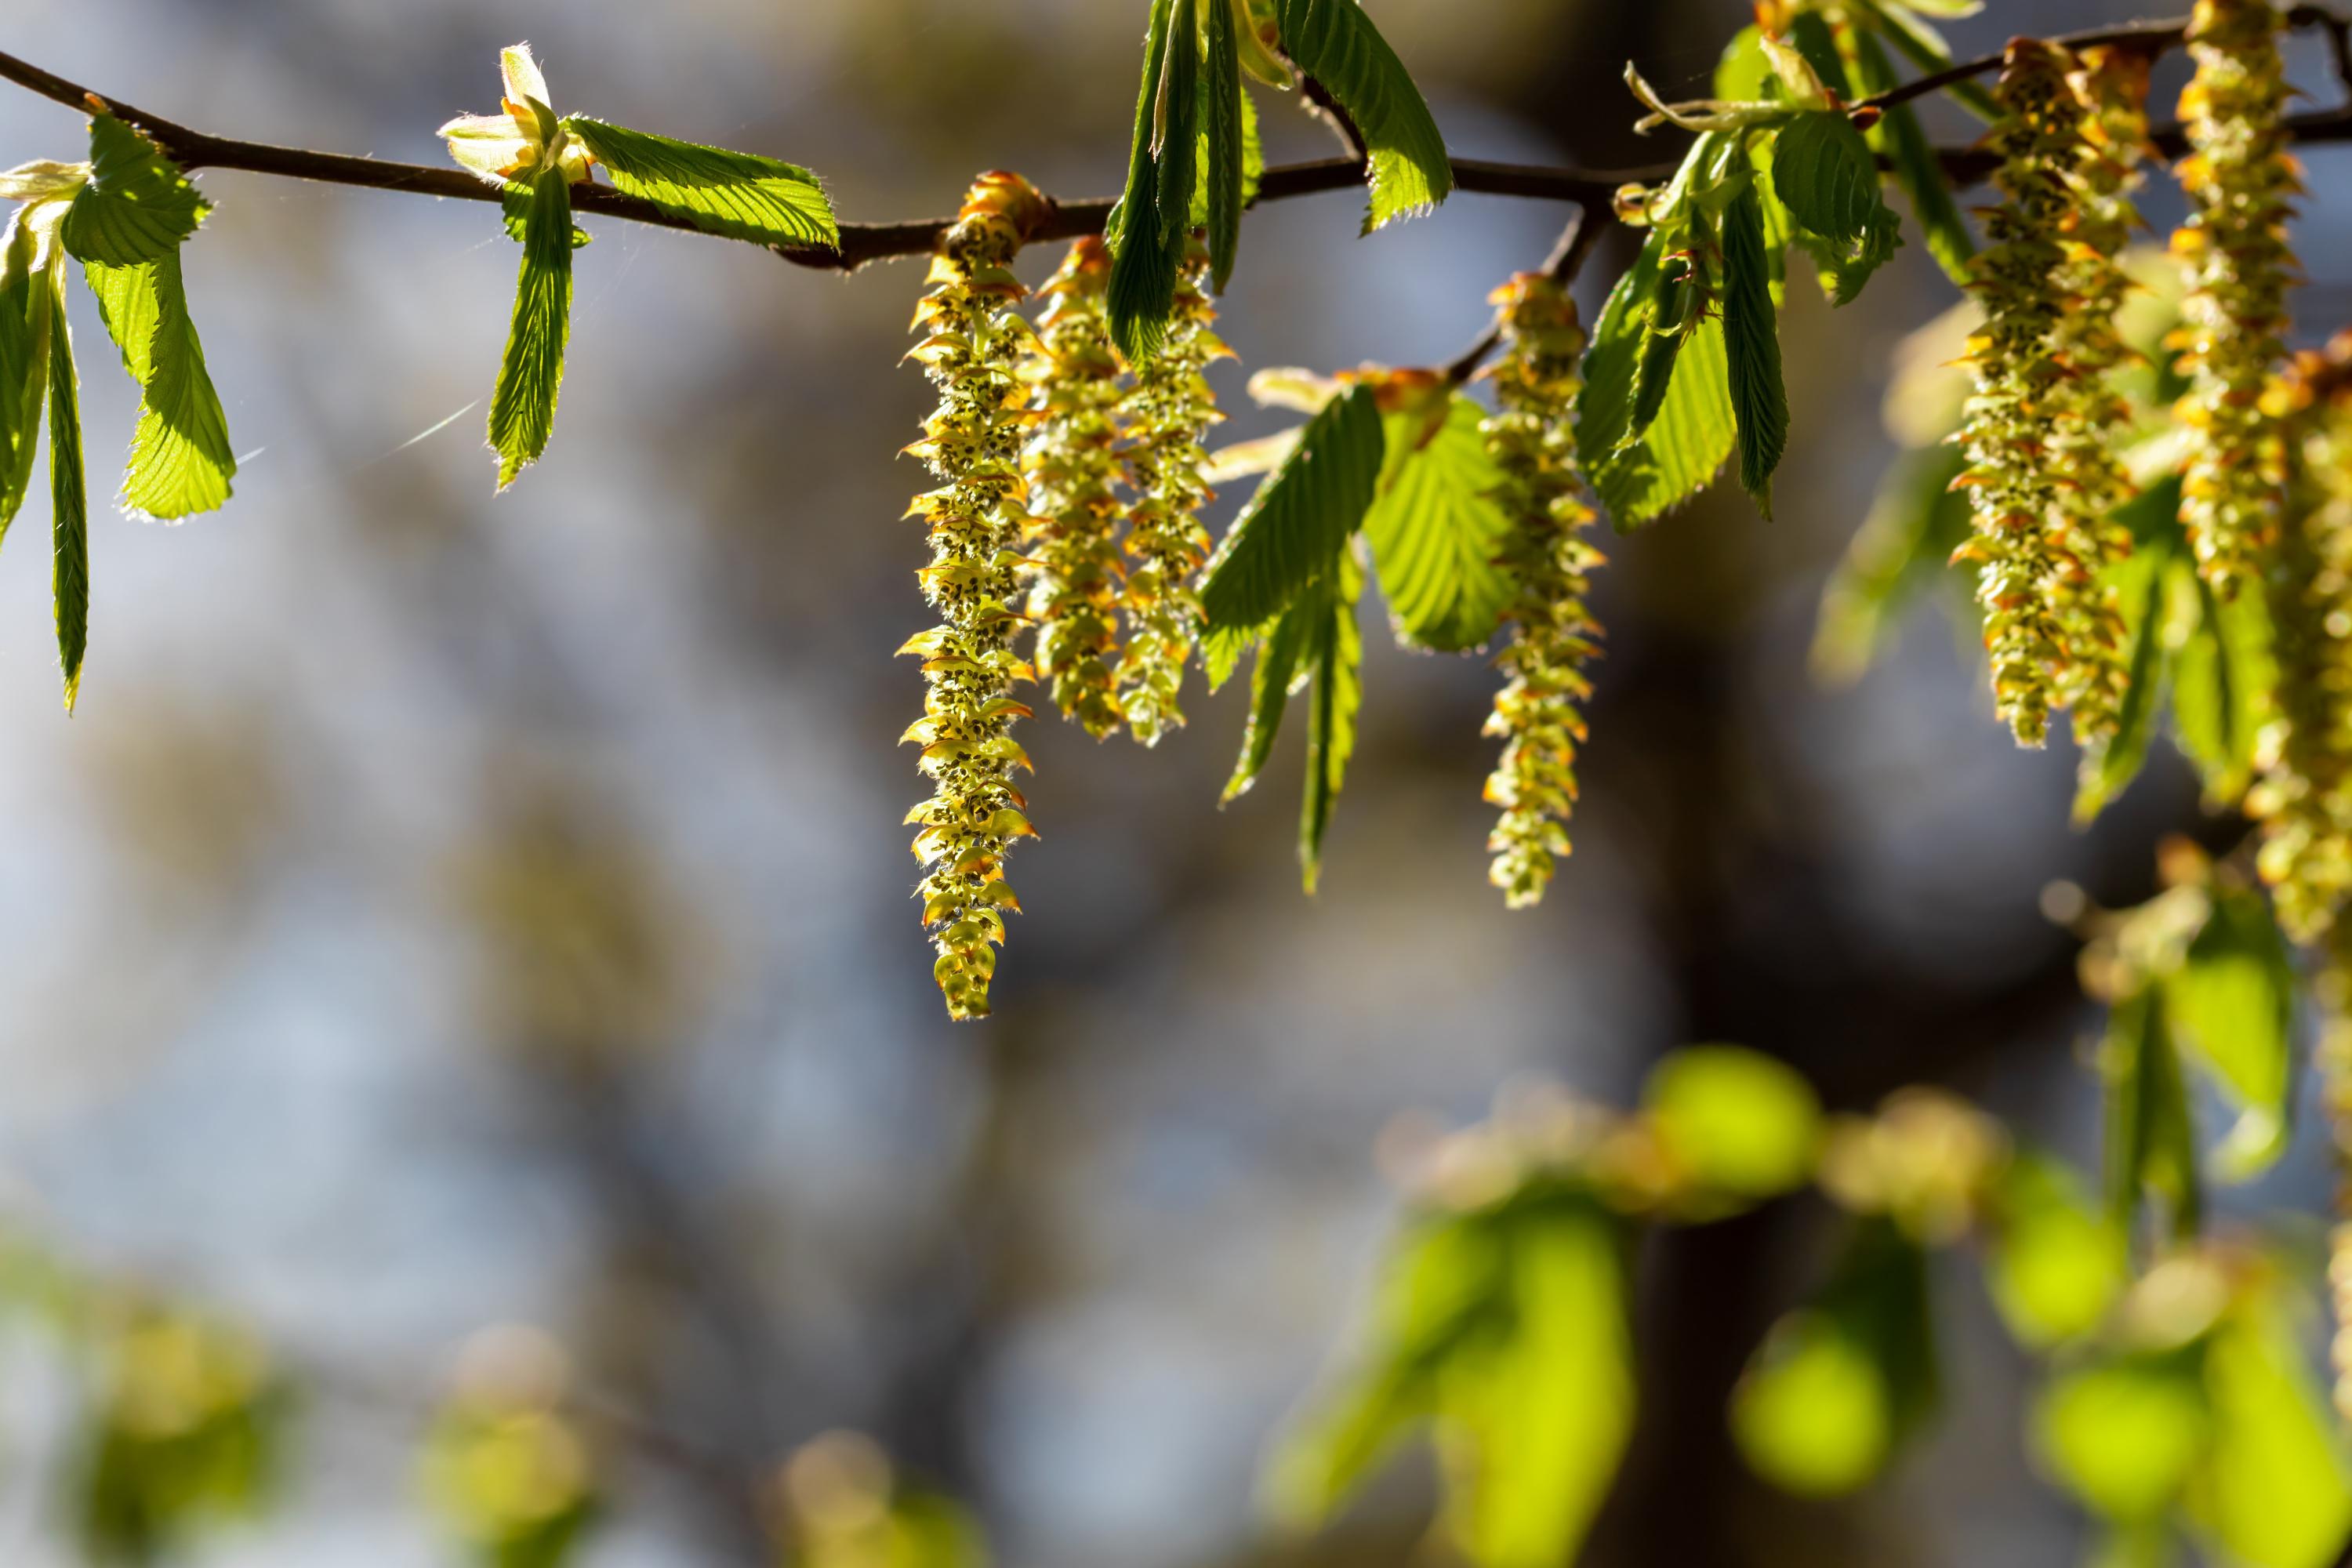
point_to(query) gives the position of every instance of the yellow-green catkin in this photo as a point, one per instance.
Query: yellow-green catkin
(1552, 637)
(1168, 414)
(973, 342)
(2089, 413)
(2241, 185)
(2302, 795)
(2021, 544)
(1073, 466)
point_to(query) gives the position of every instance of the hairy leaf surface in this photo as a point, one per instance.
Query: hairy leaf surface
(138, 205)
(1752, 342)
(1693, 433)
(738, 194)
(1435, 533)
(1335, 42)
(1294, 526)
(522, 405)
(180, 459)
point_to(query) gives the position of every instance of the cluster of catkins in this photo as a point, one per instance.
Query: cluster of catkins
(2241, 185)
(1037, 431)
(1551, 634)
(2036, 424)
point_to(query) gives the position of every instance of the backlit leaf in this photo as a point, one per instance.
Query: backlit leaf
(180, 459)
(531, 374)
(137, 206)
(1293, 527)
(1435, 532)
(1837, 1384)
(1693, 433)
(738, 194)
(2231, 1007)
(1736, 1121)
(1335, 42)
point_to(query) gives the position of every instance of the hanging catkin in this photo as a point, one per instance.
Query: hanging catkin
(1539, 713)
(2303, 796)
(2088, 412)
(2241, 185)
(1168, 414)
(972, 442)
(1073, 466)
(2023, 548)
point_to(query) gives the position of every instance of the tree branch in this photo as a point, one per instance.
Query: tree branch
(1576, 244)
(2154, 37)
(864, 242)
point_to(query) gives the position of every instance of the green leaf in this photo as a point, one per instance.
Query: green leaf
(1295, 525)
(1143, 267)
(515, 201)
(531, 374)
(26, 310)
(1736, 1121)
(1902, 547)
(2056, 1263)
(68, 501)
(1743, 74)
(1445, 1283)
(1226, 154)
(1278, 673)
(2231, 1007)
(2150, 1143)
(1545, 1404)
(1435, 533)
(1837, 1385)
(1752, 341)
(1337, 649)
(2273, 1489)
(1335, 42)
(2124, 1435)
(2223, 670)
(180, 459)
(137, 206)
(1899, 136)
(1694, 429)
(2140, 582)
(737, 195)
(1823, 172)
(1223, 649)
(1811, 34)
(1179, 102)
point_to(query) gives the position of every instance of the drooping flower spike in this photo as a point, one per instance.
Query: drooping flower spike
(974, 344)
(2240, 183)
(2087, 412)
(525, 136)
(2031, 559)
(1167, 415)
(1552, 635)
(2303, 795)
(1073, 466)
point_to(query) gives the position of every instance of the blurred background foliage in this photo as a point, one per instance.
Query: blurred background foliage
(443, 914)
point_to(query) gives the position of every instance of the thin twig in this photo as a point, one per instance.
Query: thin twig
(864, 242)
(1577, 242)
(2152, 36)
